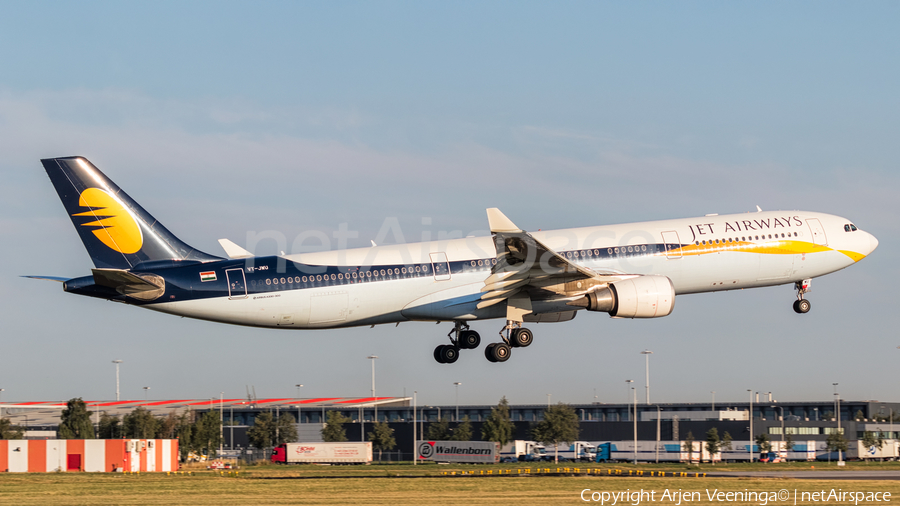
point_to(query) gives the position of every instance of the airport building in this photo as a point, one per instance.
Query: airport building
(802, 420)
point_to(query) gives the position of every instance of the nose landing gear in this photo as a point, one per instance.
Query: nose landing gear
(802, 305)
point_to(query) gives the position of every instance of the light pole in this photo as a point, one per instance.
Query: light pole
(713, 400)
(374, 401)
(817, 413)
(415, 454)
(837, 401)
(1, 401)
(646, 354)
(221, 421)
(145, 393)
(634, 396)
(117, 362)
(457, 383)
(750, 446)
(299, 386)
(548, 401)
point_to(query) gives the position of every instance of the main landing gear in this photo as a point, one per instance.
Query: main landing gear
(462, 338)
(465, 339)
(516, 337)
(802, 305)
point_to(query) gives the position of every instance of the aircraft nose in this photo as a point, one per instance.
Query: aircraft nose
(873, 243)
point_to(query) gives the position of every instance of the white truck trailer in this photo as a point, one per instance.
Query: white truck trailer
(323, 453)
(523, 451)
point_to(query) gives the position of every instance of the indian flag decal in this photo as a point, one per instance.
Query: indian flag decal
(208, 276)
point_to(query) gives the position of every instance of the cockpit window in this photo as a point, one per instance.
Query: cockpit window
(846, 228)
(853, 227)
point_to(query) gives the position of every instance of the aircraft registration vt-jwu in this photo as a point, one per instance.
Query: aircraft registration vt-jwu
(629, 271)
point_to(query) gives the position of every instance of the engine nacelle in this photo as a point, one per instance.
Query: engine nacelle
(640, 297)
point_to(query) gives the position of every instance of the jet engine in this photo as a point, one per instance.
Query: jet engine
(639, 297)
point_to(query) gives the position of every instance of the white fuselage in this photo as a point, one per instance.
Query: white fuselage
(703, 254)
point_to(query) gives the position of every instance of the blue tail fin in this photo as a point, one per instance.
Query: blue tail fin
(116, 231)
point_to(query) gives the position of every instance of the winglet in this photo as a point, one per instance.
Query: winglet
(500, 223)
(233, 250)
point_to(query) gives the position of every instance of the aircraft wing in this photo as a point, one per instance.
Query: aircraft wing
(524, 261)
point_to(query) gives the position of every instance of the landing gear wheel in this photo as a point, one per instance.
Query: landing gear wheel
(500, 352)
(446, 354)
(469, 339)
(489, 352)
(521, 338)
(802, 306)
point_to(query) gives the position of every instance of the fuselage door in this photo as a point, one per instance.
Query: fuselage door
(818, 233)
(672, 244)
(441, 266)
(237, 285)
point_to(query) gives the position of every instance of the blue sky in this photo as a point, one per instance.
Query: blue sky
(232, 119)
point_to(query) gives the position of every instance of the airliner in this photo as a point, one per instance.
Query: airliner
(628, 271)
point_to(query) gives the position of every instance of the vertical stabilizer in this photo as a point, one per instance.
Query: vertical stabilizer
(116, 231)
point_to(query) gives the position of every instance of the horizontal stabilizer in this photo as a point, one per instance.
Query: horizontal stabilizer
(138, 286)
(49, 278)
(233, 250)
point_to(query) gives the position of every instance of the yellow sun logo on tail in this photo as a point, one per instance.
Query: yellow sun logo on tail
(118, 228)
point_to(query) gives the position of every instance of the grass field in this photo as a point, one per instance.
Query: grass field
(395, 485)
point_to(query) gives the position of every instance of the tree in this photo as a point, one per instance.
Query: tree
(438, 431)
(689, 446)
(713, 443)
(75, 421)
(463, 431)
(139, 424)
(262, 433)
(109, 427)
(207, 433)
(184, 431)
(726, 441)
(382, 437)
(560, 425)
(497, 426)
(334, 431)
(762, 441)
(859, 416)
(8, 431)
(836, 442)
(828, 415)
(869, 440)
(286, 430)
(165, 428)
(788, 442)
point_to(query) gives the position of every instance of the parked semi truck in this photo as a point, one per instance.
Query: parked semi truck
(323, 453)
(576, 451)
(523, 451)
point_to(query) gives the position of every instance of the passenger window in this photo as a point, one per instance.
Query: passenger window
(480, 263)
(417, 268)
(333, 277)
(596, 253)
(304, 279)
(368, 274)
(590, 253)
(268, 281)
(644, 248)
(382, 272)
(424, 268)
(473, 263)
